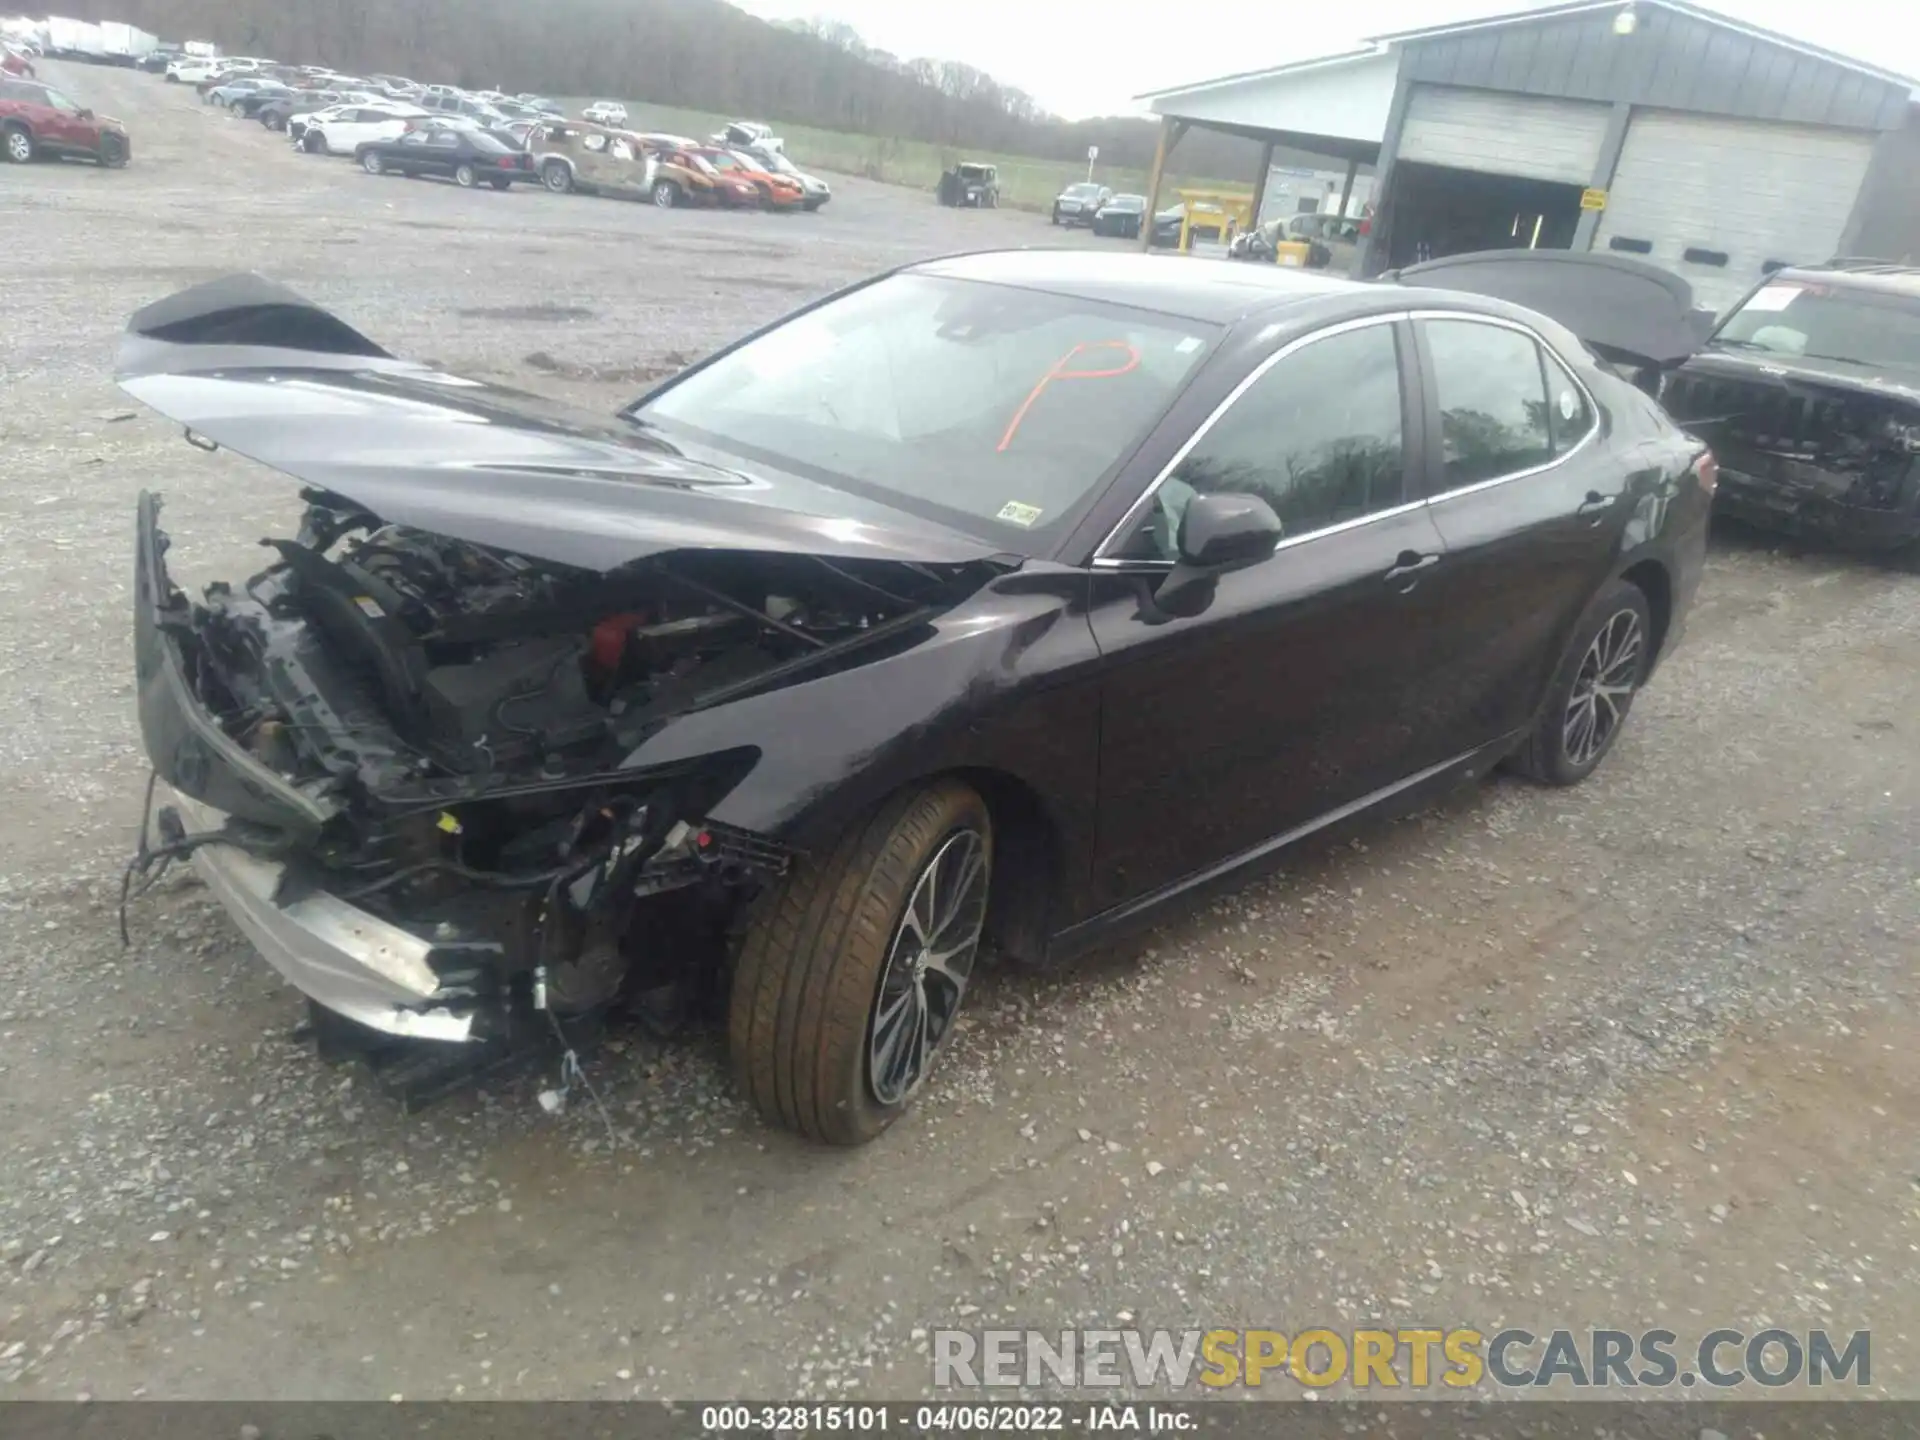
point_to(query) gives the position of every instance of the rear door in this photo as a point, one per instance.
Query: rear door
(1531, 500)
(1295, 691)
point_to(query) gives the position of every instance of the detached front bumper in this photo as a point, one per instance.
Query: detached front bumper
(342, 957)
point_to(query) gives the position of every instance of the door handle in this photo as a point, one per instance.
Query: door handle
(1407, 565)
(1595, 504)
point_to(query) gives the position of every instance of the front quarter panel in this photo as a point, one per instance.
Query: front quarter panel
(1006, 682)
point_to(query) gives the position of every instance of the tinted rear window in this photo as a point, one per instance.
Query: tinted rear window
(488, 145)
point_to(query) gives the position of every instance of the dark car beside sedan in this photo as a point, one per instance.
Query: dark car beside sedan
(1122, 216)
(1077, 204)
(466, 157)
(1001, 600)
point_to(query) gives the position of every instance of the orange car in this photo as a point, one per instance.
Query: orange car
(776, 191)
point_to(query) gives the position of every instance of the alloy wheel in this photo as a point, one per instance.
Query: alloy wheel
(371, 162)
(19, 146)
(1608, 675)
(928, 967)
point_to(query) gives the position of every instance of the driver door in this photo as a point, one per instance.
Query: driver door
(1297, 691)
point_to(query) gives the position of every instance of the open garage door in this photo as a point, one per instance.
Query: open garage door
(1716, 200)
(1501, 134)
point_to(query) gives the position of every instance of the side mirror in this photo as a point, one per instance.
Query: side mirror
(86, 114)
(1219, 534)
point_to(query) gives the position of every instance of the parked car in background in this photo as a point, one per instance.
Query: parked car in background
(814, 191)
(248, 106)
(466, 157)
(765, 188)
(1809, 392)
(39, 122)
(195, 69)
(882, 653)
(1120, 215)
(748, 135)
(513, 135)
(14, 60)
(155, 62)
(1078, 204)
(971, 184)
(228, 92)
(571, 155)
(276, 112)
(610, 113)
(344, 128)
(542, 104)
(681, 176)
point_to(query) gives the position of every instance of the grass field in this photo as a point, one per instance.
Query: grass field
(1025, 183)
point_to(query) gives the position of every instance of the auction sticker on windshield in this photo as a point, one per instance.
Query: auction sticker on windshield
(1016, 512)
(1773, 297)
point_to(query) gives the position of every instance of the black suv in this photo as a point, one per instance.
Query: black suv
(1809, 393)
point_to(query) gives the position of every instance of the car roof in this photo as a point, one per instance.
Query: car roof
(1212, 291)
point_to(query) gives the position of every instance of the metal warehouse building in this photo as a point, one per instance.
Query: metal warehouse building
(1648, 127)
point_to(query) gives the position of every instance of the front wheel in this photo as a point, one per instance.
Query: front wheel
(666, 194)
(314, 143)
(371, 162)
(1592, 690)
(463, 176)
(19, 144)
(852, 972)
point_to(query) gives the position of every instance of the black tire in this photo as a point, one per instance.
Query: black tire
(113, 152)
(556, 177)
(464, 176)
(313, 142)
(666, 194)
(1561, 751)
(19, 143)
(499, 182)
(173, 79)
(371, 162)
(815, 961)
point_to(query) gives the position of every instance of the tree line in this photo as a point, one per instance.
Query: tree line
(696, 54)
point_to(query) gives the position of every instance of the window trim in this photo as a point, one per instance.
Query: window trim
(1419, 317)
(1134, 512)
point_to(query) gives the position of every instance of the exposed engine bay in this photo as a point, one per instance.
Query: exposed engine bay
(1825, 457)
(462, 715)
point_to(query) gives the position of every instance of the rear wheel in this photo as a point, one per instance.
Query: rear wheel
(1593, 689)
(666, 194)
(556, 177)
(19, 144)
(463, 176)
(499, 182)
(851, 973)
(313, 142)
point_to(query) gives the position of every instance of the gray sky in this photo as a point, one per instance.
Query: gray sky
(1090, 57)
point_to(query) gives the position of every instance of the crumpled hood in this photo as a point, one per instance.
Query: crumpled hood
(252, 366)
(1782, 369)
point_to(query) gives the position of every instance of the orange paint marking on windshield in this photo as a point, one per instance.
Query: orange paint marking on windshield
(1059, 371)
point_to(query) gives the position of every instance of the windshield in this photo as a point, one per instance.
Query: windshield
(998, 410)
(1127, 202)
(1083, 191)
(1827, 322)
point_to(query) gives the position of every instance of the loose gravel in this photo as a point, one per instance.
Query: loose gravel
(1639, 1053)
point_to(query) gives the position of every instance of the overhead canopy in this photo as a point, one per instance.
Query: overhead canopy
(1336, 107)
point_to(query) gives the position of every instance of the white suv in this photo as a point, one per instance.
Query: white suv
(606, 112)
(339, 129)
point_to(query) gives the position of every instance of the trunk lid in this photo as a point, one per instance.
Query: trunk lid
(250, 365)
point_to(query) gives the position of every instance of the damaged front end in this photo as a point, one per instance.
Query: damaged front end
(398, 758)
(1809, 455)
(403, 755)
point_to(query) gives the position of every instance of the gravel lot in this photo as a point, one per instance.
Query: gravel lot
(1641, 1053)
